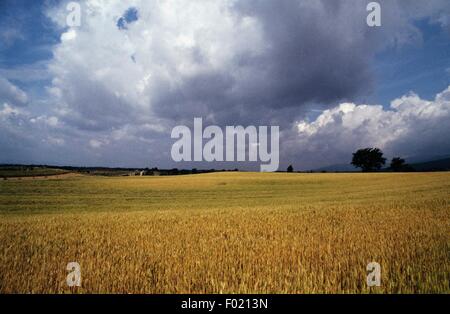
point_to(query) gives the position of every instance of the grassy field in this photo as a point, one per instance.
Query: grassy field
(227, 233)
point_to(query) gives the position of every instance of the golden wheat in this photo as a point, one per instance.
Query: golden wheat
(227, 233)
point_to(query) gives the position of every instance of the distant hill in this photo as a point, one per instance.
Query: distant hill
(435, 165)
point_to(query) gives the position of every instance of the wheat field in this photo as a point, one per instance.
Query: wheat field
(227, 233)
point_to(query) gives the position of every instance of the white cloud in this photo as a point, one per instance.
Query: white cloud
(12, 94)
(219, 59)
(55, 141)
(69, 35)
(410, 127)
(51, 121)
(8, 111)
(94, 143)
(106, 77)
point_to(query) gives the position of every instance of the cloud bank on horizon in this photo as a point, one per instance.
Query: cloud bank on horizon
(112, 89)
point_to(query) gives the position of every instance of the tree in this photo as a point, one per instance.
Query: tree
(368, 159)
(290, 168)
(397, 164)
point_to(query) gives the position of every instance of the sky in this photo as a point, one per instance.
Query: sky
(109, 91)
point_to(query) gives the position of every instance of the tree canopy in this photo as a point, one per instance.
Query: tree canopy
(368, 159)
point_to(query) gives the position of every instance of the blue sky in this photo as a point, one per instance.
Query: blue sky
(30, 46)
(421, 67)
(36, 33)
(134, 70)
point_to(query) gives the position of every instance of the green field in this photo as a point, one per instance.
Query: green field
(227, 232)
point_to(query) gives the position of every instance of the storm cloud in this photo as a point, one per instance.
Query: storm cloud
(122, 80)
